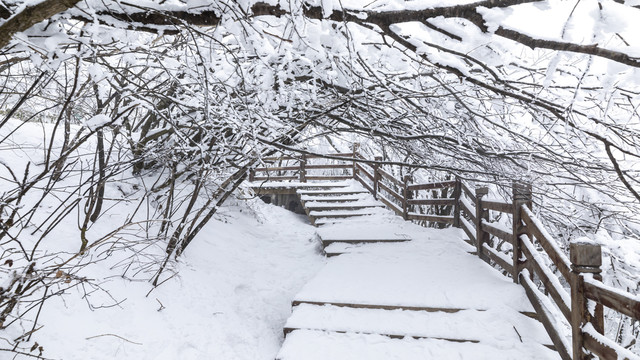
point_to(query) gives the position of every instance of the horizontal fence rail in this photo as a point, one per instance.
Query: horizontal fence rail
(522, 249)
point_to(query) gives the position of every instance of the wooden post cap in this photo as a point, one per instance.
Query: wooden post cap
(521, 190)
(408, 178)
(584, 253)
(481, 191)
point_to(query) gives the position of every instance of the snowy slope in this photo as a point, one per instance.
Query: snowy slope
(229, 299)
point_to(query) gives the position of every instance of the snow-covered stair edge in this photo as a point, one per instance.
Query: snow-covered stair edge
(324, 345)
(494, 326)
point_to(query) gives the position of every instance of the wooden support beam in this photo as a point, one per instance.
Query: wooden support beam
(303, 168)
(405, 196)
(586, 258)
(457, 192)
(521, 196)
(376, 176)
(355, 148)
(482, 237)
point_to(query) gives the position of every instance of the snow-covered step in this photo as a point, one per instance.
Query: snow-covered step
(419, 273)
(333, 192)
(338, 220)
(329, 205)
(336, 213)
(336, 199)
(330, 216)
(323, 345)
(347, 246)
(361, 231)
(495, 326)
(339, 248)
(347, 207)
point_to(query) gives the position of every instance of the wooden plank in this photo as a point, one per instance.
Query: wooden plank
(549, 245)
(537, 300)
(498, 206)
(278, 168)
(386, 188)
(446, 201)
(606, 348)
(470, 231)
(329, 166)
(468, 192)
(390, 204)
(364, 183)
(336, 177)
(433, 218)
(471, 213)
(553, 287)
(434, 185)
(497, 258)
(275, 178)
(385, 174)
(373, 306)
(497, 232)
(612, 298)
(362, 170)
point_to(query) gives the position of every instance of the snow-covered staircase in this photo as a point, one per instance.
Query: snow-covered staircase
(336, 207)
(342, 201)
(401, 291)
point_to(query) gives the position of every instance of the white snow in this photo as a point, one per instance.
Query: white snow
(433, 270)
(494, 326)
(318, 345)
(229, 300)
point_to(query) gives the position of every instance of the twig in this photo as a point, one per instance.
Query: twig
(161, 306)
(520, 337)
(118, 336)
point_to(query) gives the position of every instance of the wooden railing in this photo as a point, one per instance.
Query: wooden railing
(304, 168)
(525, 240)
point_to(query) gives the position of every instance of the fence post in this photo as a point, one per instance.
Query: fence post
(252, 174)
(521, 195)
(356, 146)
(376, 176)
(405, 196)
(457, 190)
(481, 235)
(586, 257)
(303, 168)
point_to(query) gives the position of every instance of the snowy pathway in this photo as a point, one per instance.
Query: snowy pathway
(409, 293)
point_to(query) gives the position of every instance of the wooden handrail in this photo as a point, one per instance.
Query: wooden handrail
(498, 206)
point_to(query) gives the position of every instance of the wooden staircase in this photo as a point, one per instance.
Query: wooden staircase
(344, 212)
(342, 201)
(386, 297)
(330, 208)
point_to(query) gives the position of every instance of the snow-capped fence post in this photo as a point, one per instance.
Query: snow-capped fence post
(376, 176)
(252, 174)
(522, 195)
(406, 196)
(356, 146)
(482, 236)
(457, 189)
(586, 258)
(303, 168)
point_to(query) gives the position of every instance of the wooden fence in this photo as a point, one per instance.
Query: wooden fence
(453, 202)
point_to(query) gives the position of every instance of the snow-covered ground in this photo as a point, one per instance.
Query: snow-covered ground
(229, 300)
